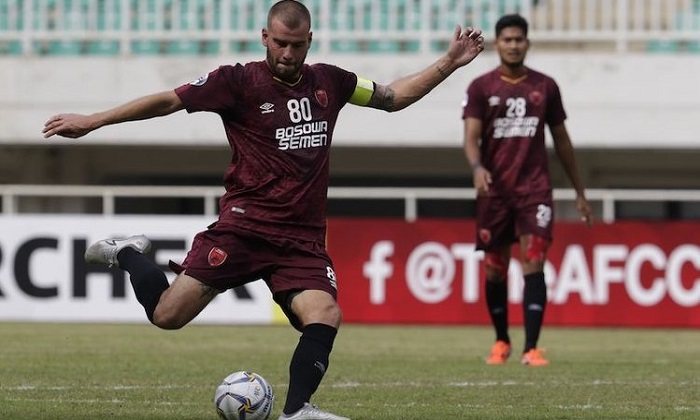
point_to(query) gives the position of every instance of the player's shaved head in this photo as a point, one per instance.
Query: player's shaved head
(291, 13)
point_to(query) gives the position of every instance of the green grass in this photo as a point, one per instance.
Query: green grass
(94, 371)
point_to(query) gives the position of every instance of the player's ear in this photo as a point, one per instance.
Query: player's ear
(264, 37)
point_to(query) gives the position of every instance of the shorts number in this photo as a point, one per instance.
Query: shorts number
(544, 215)
(331, 276)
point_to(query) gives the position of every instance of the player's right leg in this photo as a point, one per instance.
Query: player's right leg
(496, 291)
(168, 307)
(495, 234)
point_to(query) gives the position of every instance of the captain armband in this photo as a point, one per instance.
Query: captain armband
(363, 92)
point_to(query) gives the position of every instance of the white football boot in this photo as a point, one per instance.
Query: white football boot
(105, 251)
(311, 412)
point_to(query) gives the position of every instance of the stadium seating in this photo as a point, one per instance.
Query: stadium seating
(209, 27)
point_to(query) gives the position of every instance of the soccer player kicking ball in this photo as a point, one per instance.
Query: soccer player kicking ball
(278, 115)
(504, 114)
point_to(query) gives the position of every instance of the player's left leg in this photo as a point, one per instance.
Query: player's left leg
(317, 315)
(533, 251)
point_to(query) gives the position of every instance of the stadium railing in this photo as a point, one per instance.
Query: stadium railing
(12, 196)
(221, 27)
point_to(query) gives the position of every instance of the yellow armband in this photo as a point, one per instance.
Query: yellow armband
(363, 92)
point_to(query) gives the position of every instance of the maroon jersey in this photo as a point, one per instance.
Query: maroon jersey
(280, 137)
(514, 114)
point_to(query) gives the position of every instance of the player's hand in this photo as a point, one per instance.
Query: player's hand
(68, 125)
(482, 180)
(584, 209)
(465, 45)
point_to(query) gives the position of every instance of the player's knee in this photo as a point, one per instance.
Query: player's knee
(168, 319)
(536, 249)
(329, 314)
(332, 315)
(496, 266)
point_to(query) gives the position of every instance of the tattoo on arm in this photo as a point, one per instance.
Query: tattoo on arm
(208, 291)
(383, 98)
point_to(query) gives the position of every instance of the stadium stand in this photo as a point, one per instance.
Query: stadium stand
(210, 27)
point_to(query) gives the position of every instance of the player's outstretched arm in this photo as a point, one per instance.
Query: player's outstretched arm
(464, 47)
(78, 125)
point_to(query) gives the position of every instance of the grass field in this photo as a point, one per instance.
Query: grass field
(86, 371)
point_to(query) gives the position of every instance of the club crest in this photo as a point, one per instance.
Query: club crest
(216, 257)
(322, 97)
(536, 97)
(485, 235)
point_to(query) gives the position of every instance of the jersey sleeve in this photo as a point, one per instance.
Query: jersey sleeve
(474, 101)
(555, 106)
(214, 92)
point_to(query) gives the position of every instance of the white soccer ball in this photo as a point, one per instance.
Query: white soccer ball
(244, 396)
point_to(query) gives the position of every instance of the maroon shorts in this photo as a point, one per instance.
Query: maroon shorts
(226, 256)
(502, 220)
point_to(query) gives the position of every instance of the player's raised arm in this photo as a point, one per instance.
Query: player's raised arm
(78, 125)
(464, 47)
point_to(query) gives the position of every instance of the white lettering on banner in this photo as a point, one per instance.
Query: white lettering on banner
(470, 270)
(431, 268)
(43, 276)
(603, 256)
(575, 277)
(683, 254)
(378, 270)
(638, 257)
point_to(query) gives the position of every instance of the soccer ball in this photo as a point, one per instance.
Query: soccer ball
(244, 396)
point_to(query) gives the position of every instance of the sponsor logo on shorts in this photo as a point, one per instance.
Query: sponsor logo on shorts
(216, 257)
(485, 235)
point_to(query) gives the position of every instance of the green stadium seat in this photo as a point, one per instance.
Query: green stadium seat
(693, 47)
(662, 46)
(147, 47)
(246, 46)
(345, 46)
(383, 46)
(58, 48)
(10, 48)
(102, 47)
(192, 47)
(182, 47)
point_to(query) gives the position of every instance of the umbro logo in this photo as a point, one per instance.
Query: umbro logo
(267, 108)
(494, 101)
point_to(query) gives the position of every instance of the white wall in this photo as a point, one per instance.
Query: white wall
(613, 100)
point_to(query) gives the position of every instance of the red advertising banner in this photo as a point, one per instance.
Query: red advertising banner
(644, 274)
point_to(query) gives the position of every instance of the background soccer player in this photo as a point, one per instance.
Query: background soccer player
(278, 115)
(504, 114)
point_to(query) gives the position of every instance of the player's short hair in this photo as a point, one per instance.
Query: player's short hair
(291, 12)
(511, 20)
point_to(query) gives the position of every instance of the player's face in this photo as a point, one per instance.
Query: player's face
(286, 49)
(512, 46)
